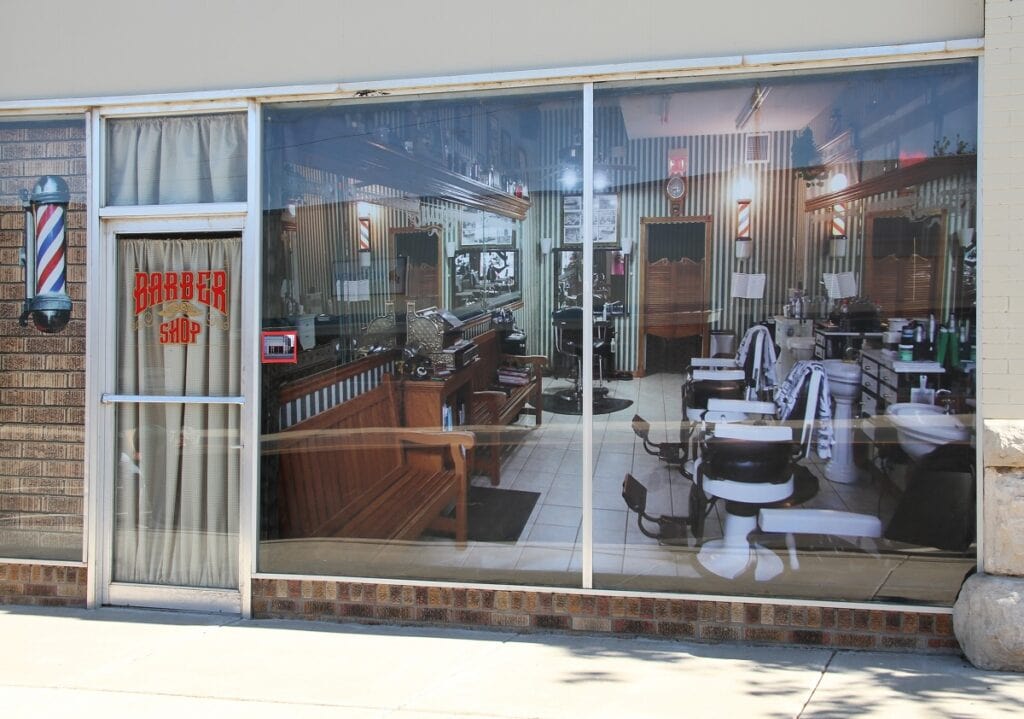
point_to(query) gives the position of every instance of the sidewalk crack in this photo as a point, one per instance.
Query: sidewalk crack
(821, 675)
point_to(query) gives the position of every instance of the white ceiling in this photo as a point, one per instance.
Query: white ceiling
(789, 106)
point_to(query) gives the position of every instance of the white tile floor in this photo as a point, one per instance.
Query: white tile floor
(549, 550)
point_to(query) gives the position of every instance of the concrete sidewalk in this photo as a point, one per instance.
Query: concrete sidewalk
(119, 662)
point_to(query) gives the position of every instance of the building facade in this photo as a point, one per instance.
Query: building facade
(300, 332)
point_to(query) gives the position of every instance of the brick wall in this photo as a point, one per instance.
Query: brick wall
(42, 585)
(42, 377)
(529, 610)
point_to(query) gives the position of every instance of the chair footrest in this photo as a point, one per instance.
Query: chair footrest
(820, 521)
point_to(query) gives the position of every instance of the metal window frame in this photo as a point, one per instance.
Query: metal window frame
(252, 100)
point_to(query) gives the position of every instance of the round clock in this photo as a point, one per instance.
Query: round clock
(675, 188)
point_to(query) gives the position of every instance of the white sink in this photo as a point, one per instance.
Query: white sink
(843, 378)
(923, 427)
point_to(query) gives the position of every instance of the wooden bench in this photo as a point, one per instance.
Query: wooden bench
(352, 471)
(494, 410)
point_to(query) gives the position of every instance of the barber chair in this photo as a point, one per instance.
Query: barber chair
(568, 328)
(710, 378)
(752, 465)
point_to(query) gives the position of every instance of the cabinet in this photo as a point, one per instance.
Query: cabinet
(886, 381)
(439, 403)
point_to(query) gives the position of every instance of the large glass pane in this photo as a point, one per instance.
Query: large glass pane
(176, 490)
(42, 376)
(176, 160)
(409, 283)
(806, 242)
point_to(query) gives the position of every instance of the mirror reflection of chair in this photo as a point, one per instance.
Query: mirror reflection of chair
(749, 374)
(568, 328)
(752, 465)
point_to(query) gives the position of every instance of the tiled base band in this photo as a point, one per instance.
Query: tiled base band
(532, 610)
(44, 585)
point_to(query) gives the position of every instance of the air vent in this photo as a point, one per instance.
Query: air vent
(756, 148)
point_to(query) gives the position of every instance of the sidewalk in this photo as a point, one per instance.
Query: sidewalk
(119, 662)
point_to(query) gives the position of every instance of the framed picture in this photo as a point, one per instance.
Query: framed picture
(483, 229)
(606, 219)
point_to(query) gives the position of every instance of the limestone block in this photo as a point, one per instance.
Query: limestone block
(1004, 522)
(1004, 443)
(988, 620)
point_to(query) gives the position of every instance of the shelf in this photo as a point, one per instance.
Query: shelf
(376, 164)
(917, 173)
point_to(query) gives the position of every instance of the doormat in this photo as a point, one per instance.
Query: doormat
(602, 405)
(497, 515)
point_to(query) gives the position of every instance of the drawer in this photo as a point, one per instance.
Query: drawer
(887, 376)
(869, 366)
(869, 404)
(888, 393)
(869, 383)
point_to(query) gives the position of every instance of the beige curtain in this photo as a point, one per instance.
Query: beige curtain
(176, 499)
(176, 160)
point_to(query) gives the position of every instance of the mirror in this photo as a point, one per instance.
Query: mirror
(415, 271)
(484, 279)
(610, 272)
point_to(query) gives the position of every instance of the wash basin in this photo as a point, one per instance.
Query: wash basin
(843, 378)
(923, 427)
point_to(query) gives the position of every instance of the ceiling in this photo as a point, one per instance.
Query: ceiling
(788, 106)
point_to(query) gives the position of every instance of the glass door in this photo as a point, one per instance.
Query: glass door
(173, 528)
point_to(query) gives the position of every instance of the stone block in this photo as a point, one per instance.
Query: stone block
(1003, 443)
(988, 620)
(1004, 521)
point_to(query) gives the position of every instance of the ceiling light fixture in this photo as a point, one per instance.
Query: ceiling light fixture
(753, 104)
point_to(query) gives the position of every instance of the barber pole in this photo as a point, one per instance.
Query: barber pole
(46, 299)
(743, 225)
(839, 220)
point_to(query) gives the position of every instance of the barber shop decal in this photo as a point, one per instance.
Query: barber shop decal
(181, 299)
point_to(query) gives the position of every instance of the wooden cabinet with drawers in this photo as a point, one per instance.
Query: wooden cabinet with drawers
(886, 381)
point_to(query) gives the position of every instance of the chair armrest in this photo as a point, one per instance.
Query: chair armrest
(713, 363)
(718, 374)
(741, 405)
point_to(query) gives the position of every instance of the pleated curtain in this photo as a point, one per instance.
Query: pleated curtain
(176, 495)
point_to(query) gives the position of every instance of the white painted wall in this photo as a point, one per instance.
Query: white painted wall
(70, 48)
(1002, 321)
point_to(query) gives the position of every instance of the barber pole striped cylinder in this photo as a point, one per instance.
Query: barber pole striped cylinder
(50, 244)
(743, 224)
(839, 220)
(46, 298)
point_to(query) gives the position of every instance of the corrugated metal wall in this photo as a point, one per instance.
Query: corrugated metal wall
(637, 175)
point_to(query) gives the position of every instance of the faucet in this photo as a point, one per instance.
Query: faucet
(945, 398)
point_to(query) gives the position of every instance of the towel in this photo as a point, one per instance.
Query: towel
(817, 419)
(764, 376)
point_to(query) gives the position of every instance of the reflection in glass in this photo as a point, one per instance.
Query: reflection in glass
(402, 246)
(41, 479)
(804, 417)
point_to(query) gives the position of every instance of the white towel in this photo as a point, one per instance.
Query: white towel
(817, 420)
(765, 374)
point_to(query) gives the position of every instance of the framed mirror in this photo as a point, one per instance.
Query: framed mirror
(484, 279)
(610, 273)
(414, 273)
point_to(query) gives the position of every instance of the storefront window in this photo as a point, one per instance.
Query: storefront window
(813, 235)
(42, 374)
(409, 285)
(783, 349)
(176, 160)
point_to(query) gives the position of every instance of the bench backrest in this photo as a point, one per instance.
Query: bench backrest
(323, 474)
